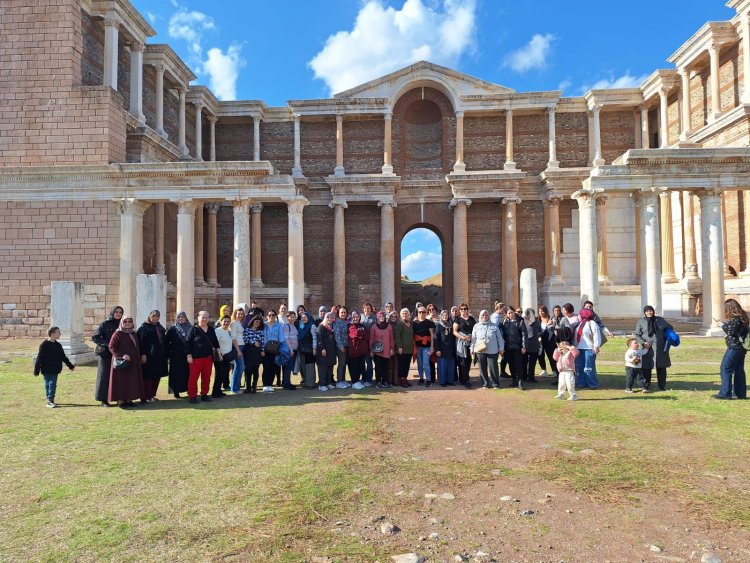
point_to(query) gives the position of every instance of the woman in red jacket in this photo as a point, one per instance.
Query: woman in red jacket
(381, 349)
(359, 347)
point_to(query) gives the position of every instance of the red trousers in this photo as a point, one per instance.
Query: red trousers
(200, 367)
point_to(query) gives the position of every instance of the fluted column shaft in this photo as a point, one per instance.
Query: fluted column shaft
(388, 145)
(339, 170)
(257, 279)
(713, 54)
(131, 250)
(159, 265)
(211, 266)
(667, 245)
(712, 257)
(339, 252)
(588, 239)
(460, 250)
(691, 259)
(240, 262)
(510, 252)
(296, 244)
(509, 162)
(652, 249)
(387, 252)
(552, 138)
(186, 257)
(199, 245)
(601, 236)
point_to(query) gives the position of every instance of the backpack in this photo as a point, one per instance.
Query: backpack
(746, 340)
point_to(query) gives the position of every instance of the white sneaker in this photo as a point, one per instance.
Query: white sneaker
(560, 396)
(543, 374)
(358, 386)
(51, 405)
(367, 384)
(323, 388)
(342, 385)
(268, 390)
(573, 398)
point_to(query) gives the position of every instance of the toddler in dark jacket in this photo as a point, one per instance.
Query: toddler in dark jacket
(49, 363)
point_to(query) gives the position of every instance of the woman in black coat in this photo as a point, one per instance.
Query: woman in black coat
(649, 332)
(176, 353)
(151, 340)
(101, 337)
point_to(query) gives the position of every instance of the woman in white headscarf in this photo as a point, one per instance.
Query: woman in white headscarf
(487, 343)
(125, 382)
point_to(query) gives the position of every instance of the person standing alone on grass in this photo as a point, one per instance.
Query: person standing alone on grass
(565, 355)
(49, 363)
(735, 325)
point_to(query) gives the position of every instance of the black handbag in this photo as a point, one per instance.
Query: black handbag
(120, 364)
(272, 347)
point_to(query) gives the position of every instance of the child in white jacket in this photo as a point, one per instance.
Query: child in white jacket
(565, 355)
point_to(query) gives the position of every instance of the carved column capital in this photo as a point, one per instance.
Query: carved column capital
(113, 20)
(132, 206)
(256, 207)
(601, 199)
(137, 46)
(296, 205)
(584, 198)
(340, 203)
(212, 208)
(507, 200)
(160, 68)
(392, 204)
(552, 200)
(187, 206)
(455, 202)
(212, 119)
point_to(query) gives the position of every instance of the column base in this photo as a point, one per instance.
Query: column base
(712, 117)
(387, 169)
(605, 280)
(256, 283)
(509, 165)
(184, 153)
(459, 167)
(685, 144)
(200, 282)
(553, 165)
(198, 158)
(160, 269)
(339, 171)
(554, 281)
(297, 172)
(668, 278)
(212, 283)
(162, 133)
(598, 162)
(693, 286)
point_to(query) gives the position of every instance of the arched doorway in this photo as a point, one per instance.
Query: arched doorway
(421, 252)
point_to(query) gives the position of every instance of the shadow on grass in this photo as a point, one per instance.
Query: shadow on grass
(258, 400)
(647, 397)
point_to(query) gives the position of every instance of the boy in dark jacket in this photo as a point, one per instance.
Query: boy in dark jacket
(49, 363)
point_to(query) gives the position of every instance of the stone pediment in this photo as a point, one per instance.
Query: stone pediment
(424, 73)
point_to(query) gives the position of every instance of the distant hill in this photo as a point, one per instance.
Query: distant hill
(436, 280)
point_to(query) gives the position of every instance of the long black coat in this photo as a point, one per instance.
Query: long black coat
(175, 351)
(657, 341)
(151, 339)
(101, 337)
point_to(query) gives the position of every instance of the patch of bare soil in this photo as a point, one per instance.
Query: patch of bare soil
(472, 472)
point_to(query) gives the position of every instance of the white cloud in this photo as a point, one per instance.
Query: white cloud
(221, 68)
(384, 39)
(152, 17)
(421, 265)
(625, 81)
(564, 85)
(531, 56)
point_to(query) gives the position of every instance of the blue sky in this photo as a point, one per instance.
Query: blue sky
(284, 50)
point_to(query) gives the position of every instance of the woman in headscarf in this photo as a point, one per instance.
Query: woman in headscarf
(487, 343)
(392, 376)
(101, 338)
(403, 342)
(151, 340)
(649, 332)
(175, 351)
(125, 383)
(445, 350)
(359, 338)
(735, 326)
(326, 346)
(307, 337)
(463, 325)
(254, 338)
(533, 345)
(588, 340)
(381, 348)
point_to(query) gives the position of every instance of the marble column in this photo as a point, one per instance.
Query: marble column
(198, 131)
(598, 160)
(297, 169)
(746, 230)
(159, 266)
(212, 119)
(136, 82)
(727, 271)
(296, 273)
(715, 113)
(131, 250)
(387, 252)
(459, 166)
(685, 105)
(645, 133)
(388, 145)
(256, 278)
(186, 257)
(745, 34)
(638, 242)
(509, 162)
(712, 256)
(199, 281)
(211, 266)
(667, 244)
(601, 239)
(510, 251)
(111, 50)
(339, 170)
(663, 118)
(256, 138)
(552, 237)
(182, 147)
(588, 239)
(339, 252)
(688, 222)
(553, 163)
(160, 68)
(460, 250)
(240, 262)
(652, 249)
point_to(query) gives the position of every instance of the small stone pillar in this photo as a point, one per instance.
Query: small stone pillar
(67, 313)
(527, 289)
(151, 291)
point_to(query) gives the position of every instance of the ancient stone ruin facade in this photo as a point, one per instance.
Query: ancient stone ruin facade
(113, 165)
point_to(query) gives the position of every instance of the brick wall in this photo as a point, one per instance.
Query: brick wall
(531, 142)
(277, 145)
(572, 131)
(364, 146)
(485, 254)
(618, 133)
(56, 241)
(730, 72)
(92, 57)
(673, 118)
(484, 142)
(234, 141)
(318, 148)
(318, 253)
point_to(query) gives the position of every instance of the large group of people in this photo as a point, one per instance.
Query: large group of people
(338, 349)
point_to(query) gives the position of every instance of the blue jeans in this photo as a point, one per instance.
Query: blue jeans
(586, 369)
(367, 377)
(446, 370)
(50, 385)
(239, 369)
(286, 371)
(423, 363)
(733, 364)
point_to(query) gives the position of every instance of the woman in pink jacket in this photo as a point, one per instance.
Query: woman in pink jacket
(381, 349)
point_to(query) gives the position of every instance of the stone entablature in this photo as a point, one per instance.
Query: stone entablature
(125, 13)
(710, 35)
